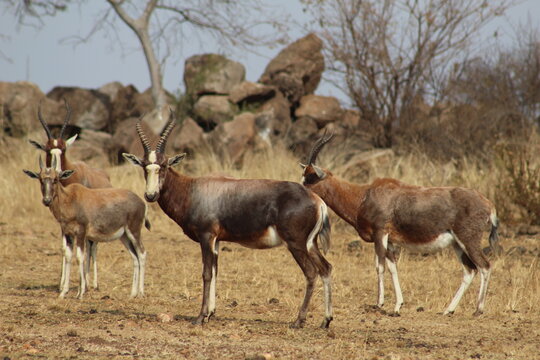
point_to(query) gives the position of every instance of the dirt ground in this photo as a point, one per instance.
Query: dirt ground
(258, 294)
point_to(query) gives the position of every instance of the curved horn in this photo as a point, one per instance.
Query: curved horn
(160, 147)
(66, 119)
(318, 146)
(144, 139)
(43, 123)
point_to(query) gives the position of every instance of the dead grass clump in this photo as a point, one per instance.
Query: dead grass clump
(519, 187)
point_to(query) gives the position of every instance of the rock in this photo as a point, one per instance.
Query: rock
(188, 137)
(164, 317)
(18, 107)
(126, 139)
(92, 147)
(236, 137)
(322, 109)
(251, 92)
(123, 102)
(143, 102)
(156, 119)
(350, 119)
(297, 69)
(211, 110)
(212, 74)
(302, 135)
(278, 115)
(90, 108)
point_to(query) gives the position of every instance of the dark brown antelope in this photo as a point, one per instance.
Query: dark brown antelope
(257, 214)
(423, 219)
(56, 147)
(96, 215)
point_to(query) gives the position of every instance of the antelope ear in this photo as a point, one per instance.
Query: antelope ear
(37, 145)
(32, 174)
(71, 140)
(132, 159)
(320, 173)
(65, 174)
(303, 166)
(174, 160)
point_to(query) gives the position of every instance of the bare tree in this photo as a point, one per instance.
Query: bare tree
(159, 24)
(507, 78)
(388, 54)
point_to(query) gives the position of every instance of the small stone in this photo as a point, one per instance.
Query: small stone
(164, 318)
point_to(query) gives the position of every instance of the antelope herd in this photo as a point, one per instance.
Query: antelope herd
(259, 214)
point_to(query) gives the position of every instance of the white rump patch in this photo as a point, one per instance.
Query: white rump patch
(440, 242)
(55, 142)
(271, 238)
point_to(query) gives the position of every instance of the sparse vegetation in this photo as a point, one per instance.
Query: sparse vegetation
(248, 322)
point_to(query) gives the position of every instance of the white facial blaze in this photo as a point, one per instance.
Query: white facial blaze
(57, 153)
(152, 179)
(152, 174)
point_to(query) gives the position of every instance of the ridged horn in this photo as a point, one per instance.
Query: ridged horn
(43, 123)
(160, 147)
(144, 139)
(318, 146)
(66, 119)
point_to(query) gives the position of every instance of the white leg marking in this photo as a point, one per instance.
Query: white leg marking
(93, 256)
(392, 267)
(327, 285)
(130, 244)
(81, 255)
(380, 271)
(212, 297)
(63, 274)
(380, 280)
(484, 281)
(68, 254)
(468, 276)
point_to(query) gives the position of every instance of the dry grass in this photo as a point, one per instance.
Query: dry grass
(106, 324)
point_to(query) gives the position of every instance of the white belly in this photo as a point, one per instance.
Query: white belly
(440, 242)
(100, 237)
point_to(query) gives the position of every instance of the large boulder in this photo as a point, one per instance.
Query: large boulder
(297, 69)
(302, 135)
(275, 115)
(91, 147)
(211, 110)
(188, 137)
(123, 102)
(126, 139)
(18, 107)
(212, 74)
(250, 92)
(322, 109)
(235, 138)
(90, 108)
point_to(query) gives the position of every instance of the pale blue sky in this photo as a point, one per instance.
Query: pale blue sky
(41, 57)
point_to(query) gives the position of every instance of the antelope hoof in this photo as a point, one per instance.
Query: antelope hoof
(448, 313)
(395, 314)
(62, 295)
(298, 324)
(478, 313)
(326, 322)
(202, 319)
